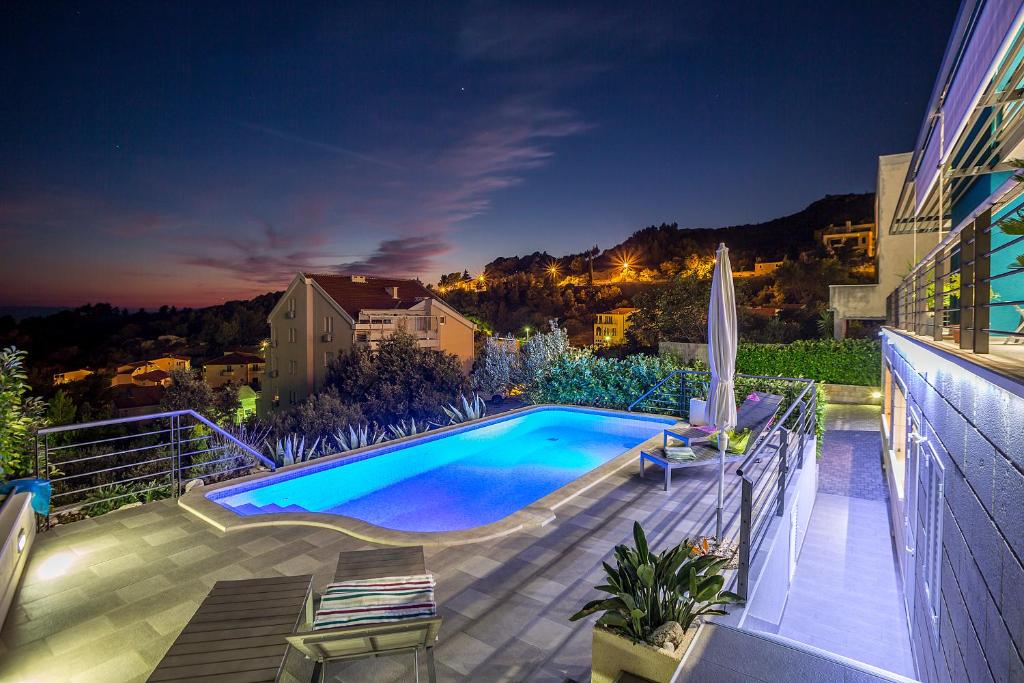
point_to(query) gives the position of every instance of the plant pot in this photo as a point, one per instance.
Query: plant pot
(612, 654)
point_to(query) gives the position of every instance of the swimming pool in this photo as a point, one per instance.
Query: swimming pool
(454, 479)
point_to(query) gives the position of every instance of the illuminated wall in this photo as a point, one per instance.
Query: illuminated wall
(971, 421)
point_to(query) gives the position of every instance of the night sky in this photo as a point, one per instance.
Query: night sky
(188, 153)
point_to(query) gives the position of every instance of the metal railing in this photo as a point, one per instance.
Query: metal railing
(958, 292)
(772, 462)
(141, 458)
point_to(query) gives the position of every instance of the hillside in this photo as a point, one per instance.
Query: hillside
(772, 240)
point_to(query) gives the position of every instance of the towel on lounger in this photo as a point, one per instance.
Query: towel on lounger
(373, 601)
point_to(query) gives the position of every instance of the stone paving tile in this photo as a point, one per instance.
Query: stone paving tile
(138, 575)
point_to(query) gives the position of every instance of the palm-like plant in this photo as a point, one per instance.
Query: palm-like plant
(467, 410)
(648, 590)
(411, 429)
(358, 437)
(291, 449)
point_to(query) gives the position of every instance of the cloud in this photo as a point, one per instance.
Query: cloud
(62, 211)
(317, 144)
(406, 256)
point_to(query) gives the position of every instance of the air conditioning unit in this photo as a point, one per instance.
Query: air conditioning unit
(327, 337)
(274, 374)
(289, 315)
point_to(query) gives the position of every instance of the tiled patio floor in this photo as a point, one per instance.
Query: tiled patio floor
(104, 598)
(846, 595)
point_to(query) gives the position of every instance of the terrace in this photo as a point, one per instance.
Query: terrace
(103, 598)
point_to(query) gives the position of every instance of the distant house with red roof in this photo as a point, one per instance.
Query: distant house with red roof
(131, 373)
(320, 316)
(131, 400)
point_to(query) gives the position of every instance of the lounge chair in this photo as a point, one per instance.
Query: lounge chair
(756, 413)
(238, 633)
(413, 634)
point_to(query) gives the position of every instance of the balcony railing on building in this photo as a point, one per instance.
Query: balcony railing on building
(969, 290)
(424, 328)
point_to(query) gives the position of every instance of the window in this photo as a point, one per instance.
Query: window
(293, 367)
(291, 397)
(291, 304)
(328, 357)
(929, 546)
(328, 324)
(362, 336)
(292, 335)
(442, 320)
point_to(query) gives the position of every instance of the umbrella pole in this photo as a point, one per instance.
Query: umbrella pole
(723, 443)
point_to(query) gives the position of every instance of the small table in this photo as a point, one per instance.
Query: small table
(658, 457)
(685, 433)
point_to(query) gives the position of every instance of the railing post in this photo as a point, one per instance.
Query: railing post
(783, 467)
(967, 290)
(746, 514)
(939, 299)
(175, 453)
(982, 288)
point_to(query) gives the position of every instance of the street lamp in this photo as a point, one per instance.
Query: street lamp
(527, 330)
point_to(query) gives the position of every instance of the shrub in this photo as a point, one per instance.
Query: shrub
(579, 377)
(318, 417)
(498, 369)
(851, 361)
(398, 381)
(20, 415)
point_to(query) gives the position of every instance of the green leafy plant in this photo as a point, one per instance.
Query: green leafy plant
(20, 415)
(850, 361)
(292, 449)
(113, 496)
(358, 437)
(467, 410)
(650, 589)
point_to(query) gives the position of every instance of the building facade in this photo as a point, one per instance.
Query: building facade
(320, 316)
(235, 367)
(130, 373)
(610, 327)
(71, 376)
(858, 239)
(953, 356)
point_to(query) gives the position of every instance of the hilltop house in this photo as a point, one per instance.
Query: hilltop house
(235, 367)
(610, 327)
(860, 239)
(138, 372)
(71, 376)
(320, 316)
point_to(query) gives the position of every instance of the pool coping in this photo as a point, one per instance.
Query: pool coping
(539, 513)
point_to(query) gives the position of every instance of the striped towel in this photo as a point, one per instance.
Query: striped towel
(374, 601)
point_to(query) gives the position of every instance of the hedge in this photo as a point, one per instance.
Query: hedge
(851, 361)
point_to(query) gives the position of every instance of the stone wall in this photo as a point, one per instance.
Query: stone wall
(974, 421)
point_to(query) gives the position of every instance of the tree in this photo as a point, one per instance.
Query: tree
(677, 311)
(398, 381)
(20, 414)
(62, 409)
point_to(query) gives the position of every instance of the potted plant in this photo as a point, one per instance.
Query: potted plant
(655, 601)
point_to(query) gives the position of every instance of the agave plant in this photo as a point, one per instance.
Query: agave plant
(468, 410)
(358, 437)
(292, 449)
(648, 590)
(411, 429)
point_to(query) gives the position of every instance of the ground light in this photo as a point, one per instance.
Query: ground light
(55, 566)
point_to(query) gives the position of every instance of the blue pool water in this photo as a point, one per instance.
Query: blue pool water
(453, 481)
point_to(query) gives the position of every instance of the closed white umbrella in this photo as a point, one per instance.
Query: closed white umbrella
(722, 338)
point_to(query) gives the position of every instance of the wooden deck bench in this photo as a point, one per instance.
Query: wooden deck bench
(238, 634)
